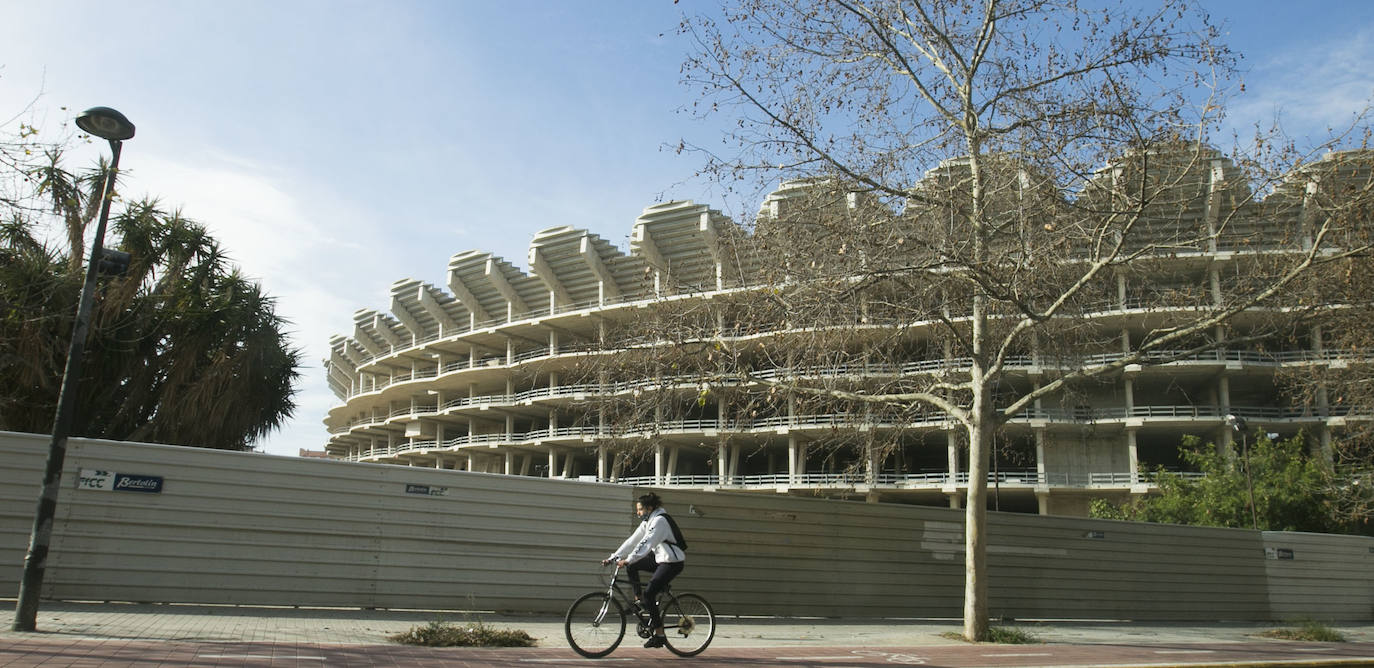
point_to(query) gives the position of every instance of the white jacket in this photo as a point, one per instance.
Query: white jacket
(651, 535)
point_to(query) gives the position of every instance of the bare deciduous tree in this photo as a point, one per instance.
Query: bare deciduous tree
(1019, 193)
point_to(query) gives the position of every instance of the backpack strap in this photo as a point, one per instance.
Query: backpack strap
(676, 540)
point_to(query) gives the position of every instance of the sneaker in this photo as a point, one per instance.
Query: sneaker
(656, 641)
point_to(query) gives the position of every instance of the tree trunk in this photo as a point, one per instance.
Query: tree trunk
(975, 520)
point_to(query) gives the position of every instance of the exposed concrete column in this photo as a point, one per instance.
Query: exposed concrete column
(951, 486)
(952, 449)
(1225, 444)
(601, 470)
(792, 457)
(510, 463)
(672, 465)
(569, 465)
(1323, 402)
(1040, 456)
(722, 467)
(1133, 456)
(510, 350)
(734, 462)
(658, 463)
(870, 463)
(553, 463)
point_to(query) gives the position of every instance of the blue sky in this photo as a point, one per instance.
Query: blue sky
(337, 146)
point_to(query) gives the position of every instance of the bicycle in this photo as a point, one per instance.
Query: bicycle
(595, 623)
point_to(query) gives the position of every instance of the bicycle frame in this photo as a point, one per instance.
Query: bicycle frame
(615, 590)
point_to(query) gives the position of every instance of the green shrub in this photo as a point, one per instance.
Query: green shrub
(469, 634)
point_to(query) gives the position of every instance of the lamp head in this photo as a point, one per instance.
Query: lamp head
(105, 123)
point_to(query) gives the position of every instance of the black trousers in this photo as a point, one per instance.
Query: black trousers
(662, 575)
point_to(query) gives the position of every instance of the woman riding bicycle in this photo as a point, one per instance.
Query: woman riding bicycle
(651, 548)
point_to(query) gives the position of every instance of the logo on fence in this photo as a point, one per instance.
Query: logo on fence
(426, 490)
(121, 482)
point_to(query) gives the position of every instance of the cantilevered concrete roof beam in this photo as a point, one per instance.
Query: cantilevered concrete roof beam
(354, 353)
(383, 329)
(497, 278)
(401, 310)
(467, 299)
(362, 322)
(546, 274)
(609, 289)
(343, 366)
(425, 295)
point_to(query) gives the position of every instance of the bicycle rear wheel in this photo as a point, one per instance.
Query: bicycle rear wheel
(689, 624)
(594, 625)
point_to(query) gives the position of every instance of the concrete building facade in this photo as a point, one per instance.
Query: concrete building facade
(476, 374)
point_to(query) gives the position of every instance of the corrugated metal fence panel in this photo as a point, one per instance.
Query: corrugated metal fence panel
(243, 528)
(777, 555)
(1071, 567)
(1319, 576)
(21, 479)
(754, 554)
(256, 529)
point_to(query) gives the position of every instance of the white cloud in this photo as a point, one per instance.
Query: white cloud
(298, 250)
(1310, 87)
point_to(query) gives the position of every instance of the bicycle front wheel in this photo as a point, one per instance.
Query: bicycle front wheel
(689, 624)
(594, 625)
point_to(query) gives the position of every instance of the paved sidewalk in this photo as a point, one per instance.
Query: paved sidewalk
(104, 634)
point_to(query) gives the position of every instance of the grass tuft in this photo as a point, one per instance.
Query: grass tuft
(1001, 635)
(1308, 631)
(439, 633)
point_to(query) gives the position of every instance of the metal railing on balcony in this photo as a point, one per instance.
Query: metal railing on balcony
(1027, 478)
(835, 420)
(918, 367)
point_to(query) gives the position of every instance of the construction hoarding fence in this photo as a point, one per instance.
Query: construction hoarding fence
(165, 524)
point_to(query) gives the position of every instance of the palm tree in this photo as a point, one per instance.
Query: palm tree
(184, 349)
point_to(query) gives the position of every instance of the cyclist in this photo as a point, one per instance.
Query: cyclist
(650, 548)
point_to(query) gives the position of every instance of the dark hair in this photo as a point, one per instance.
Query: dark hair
(650, 501)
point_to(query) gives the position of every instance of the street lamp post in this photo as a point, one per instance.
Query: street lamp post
(1237, 424)
(110, 125)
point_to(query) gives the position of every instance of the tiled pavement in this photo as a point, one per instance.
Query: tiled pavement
(105, 635)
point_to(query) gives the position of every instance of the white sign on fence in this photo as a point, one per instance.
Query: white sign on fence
(122, 482)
